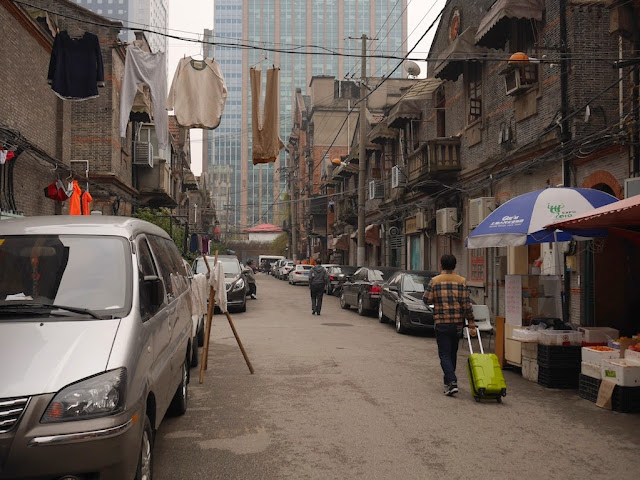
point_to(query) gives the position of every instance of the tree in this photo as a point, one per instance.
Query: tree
(280, 244)
(162, 218)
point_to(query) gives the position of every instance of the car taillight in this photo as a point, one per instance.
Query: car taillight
(375, 289)
(332, 277)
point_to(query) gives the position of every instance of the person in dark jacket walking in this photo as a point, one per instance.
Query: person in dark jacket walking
(317, 280)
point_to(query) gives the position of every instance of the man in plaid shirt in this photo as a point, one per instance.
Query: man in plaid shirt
(449, 295)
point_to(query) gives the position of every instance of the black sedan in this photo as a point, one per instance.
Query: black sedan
(338, 274)
(401, 301)
(363, 288)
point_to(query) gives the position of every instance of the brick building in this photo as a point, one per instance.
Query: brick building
(80, 140)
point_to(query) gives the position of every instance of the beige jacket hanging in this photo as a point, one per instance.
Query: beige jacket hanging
(198, 93)
(266, 139)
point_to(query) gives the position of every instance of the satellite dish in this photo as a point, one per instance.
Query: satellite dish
(412, 68)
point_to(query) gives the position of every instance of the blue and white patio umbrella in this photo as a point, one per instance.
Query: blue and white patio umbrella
(522, 220)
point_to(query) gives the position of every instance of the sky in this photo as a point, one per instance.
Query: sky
(189, 18)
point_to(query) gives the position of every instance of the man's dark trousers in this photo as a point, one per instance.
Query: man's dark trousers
(316, 297)
(447, 339)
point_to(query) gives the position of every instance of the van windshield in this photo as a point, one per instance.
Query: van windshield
(87, 272)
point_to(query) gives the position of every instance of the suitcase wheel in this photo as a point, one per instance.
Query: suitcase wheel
(477, 399)
(499, 399)
(503, 392)
(481, 392)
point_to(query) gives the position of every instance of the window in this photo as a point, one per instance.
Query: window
(477, 260)
(474, 90)
(146, 267)
(444, 246)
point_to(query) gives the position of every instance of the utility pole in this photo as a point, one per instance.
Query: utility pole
(362, 161)
(293, 210)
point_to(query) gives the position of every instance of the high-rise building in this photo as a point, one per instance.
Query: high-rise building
(303, 39)
(136, 14)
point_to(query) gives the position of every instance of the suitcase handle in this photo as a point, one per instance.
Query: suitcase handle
(469, 339)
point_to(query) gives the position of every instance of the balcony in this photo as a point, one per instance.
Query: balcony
(154, 185)
(435, 158)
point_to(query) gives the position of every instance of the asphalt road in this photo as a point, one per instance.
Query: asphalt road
(339, 396)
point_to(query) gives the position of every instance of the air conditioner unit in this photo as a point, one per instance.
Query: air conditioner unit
(446, 221)
(376, 190)
(421, 220)
(519, 80)
(631, 187)
(479, 209)
(397, 177)
(143, 154)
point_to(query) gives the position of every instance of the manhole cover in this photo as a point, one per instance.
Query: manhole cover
(337, 324)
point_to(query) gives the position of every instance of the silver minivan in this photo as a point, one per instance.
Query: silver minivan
(95, 343)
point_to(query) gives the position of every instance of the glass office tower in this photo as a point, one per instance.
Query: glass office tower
(303, 39)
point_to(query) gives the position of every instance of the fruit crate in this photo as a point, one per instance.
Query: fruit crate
(554, 377)
(624, 399)
(560, 337)
(559, 356)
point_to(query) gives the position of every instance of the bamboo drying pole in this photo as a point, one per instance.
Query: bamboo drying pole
(207, 334)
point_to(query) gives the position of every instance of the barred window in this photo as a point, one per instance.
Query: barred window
(474, 87)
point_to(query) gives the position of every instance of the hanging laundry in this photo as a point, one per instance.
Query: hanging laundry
(198, 93)
(5, 156)
(56, 191)
(74, 202)
(149, 68)
(86, 199)
(266, 139)
(75, 67)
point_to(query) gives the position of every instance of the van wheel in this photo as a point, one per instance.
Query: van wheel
(179, 403)
(201, 334)
(194, 352)
(145, 461)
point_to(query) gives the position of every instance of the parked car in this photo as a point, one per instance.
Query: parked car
(337, 276)
(97, 308)
(285, 269)
(234, 279)
(401, 301)
(299, 275)
(363, 288)
(275, 268)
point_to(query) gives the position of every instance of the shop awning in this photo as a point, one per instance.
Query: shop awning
(450, 63)
(410, 105)
(382, 132)
(493, 30)
(372, 235)
(621, 214)
(342, 242)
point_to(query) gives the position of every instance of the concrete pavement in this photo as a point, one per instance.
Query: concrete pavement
(341, 396)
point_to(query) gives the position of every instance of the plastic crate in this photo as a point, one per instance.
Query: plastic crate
(597, 356)
(553, 377)
(632, 356)
(560, 337)
(524, 335)
(624, 399)
(588, 388)
(559, 356)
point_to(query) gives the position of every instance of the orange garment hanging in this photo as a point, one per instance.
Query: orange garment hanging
(266, 139)
(86, 200)
(74, 200)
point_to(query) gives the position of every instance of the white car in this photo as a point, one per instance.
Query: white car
(300, 274)
(285, 269)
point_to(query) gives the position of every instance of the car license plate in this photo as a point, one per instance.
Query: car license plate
(306, 274)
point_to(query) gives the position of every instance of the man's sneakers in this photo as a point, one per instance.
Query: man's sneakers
(451, 389)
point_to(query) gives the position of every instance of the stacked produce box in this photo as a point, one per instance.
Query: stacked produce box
(559, 358)
(618, 362)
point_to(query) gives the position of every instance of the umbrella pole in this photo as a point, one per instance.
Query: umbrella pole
(560, 271)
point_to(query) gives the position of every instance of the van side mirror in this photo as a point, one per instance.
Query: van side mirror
(154, 289)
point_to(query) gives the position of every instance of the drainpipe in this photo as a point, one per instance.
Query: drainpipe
(565, 136)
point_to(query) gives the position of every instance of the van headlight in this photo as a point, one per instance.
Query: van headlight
(97, 396)
(239, 285)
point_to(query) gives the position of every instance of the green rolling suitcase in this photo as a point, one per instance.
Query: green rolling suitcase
(485, 374)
